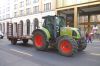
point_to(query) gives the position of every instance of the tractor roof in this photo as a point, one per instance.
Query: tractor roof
(51, 16)
(74, 28)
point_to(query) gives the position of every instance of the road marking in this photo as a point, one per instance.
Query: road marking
(97, 47)
(95, 54)
(21, 52)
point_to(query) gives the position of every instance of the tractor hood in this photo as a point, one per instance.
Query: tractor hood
(65, 31)
(70, 31)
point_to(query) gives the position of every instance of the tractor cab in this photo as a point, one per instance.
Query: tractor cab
(55, 33)
(56, 25)
(53, 24)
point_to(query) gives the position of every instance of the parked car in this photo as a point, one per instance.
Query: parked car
(1, 35)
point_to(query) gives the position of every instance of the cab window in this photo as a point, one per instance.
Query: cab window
(74, 33)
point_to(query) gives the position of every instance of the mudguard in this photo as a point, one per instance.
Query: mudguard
(45, 31)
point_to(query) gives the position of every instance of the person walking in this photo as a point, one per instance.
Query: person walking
(88, 37)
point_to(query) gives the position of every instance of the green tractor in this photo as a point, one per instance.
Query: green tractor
(55, 33)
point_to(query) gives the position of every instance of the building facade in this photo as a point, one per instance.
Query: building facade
(80, 13)
(27, 10)
(83, 14)
(6, 13)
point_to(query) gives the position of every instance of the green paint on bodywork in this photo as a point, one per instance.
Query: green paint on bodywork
(68, 31)
(47, 32)
(78, 33)
(65, 31)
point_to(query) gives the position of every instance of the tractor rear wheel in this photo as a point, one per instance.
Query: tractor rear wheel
(67, 46)
(82, 45)
(39, 40)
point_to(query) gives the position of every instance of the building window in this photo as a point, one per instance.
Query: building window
(0, 11)
(35, 1)
(28, 11)
(69, 2)
(3, 10)
(47, 1)
(15, 14)
(28, 2)
(22, 4)
(21, 12)
(15, 6)
(7, 15)
(8, 9)
(0, 17)
(47, 7)
(15, 0)
(35, 9)
(3, 16)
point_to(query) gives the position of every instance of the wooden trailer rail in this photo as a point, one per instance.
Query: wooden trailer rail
(9, 30)
(19, 30)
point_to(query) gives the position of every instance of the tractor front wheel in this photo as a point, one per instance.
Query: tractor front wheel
(39, 40)
(67, 46)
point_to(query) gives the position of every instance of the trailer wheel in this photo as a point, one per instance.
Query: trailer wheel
(13, 41)
(25, 41)
(67, 46)
(39, 40)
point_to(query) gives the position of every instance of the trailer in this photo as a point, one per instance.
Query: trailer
(15, 33)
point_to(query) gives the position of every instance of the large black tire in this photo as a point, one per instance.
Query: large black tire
(67, 46)
(13, 41)
(82, 44)
(40, 40)
(25, 41)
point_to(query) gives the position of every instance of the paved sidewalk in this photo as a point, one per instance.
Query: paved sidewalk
(96, 40)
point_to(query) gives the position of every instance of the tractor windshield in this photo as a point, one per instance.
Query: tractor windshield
(79, 32)
(60, 21)
(54, 21)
